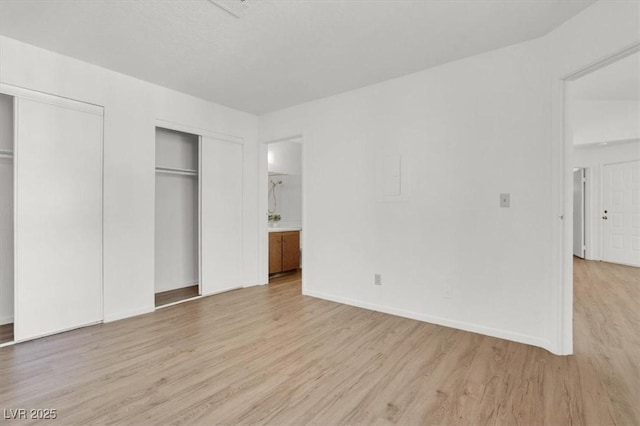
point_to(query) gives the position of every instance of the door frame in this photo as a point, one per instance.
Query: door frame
(584, 209)
(563, 210)
(263, 226)
(200, 133)
(19, 93)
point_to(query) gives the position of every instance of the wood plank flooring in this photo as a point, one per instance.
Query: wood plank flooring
(270, 355)
(286, 277)
(6, 333)
(167, 297)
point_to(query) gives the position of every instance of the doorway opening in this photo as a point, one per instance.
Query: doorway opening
(284, 210)
(602, 147)
(604, 130)
(177, 217)
(6, 218)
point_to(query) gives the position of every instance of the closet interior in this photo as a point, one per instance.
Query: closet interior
(6, 219)
(177, 217)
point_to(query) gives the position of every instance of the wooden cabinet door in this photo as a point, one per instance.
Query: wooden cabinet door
(275, 252)
(290, 250)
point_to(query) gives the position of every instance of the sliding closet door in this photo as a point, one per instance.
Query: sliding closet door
(58, 221)
(221, 186)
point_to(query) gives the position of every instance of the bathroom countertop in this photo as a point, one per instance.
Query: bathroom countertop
(284, 228)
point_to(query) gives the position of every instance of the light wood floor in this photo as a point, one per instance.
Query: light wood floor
(269, 355)
(286, 278)
(167, 297)
(6, 333)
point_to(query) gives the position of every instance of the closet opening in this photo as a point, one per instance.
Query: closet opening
(6, 219)
(177, 217)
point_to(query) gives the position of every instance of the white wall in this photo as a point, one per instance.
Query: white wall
(593, 158)
(176, 149)
(596, 121)
(467, 131)
(6, 211)
(289, 195)
(131, 110)
(285, 157)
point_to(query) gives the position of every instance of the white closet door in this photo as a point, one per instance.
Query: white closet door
(58, 222)
(221, 216)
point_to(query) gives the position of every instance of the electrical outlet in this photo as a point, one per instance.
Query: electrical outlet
(505, 200)
(377, 279)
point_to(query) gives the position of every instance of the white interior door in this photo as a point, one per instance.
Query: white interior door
(621, 213)
(221, 216)
(58, 221)
(578, 212)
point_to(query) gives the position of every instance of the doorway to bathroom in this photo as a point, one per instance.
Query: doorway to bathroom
(284, 210)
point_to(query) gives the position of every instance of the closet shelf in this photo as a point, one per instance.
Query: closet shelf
(175, 171)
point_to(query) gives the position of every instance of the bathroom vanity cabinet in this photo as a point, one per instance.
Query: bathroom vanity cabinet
(284, 251)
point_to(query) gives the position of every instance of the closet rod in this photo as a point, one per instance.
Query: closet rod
(6, 154)
(186, 172)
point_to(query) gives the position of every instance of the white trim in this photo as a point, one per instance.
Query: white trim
(8, 319)
(197, 131)
(51, 333)
(298, 138)
(64, 102)
(474, 328)
(16, 325)
(199, 215)
(263, 203)
(20, 92)
(129, 314)
(213, 293)
(177, 302)
(603, 62)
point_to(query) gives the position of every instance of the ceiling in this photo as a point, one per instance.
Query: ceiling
(619, 81)
(280, 53)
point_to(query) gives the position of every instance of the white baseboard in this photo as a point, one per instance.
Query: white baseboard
(122, 315)
(213, 293)
(461, 325)
(253, 285)
(8, 319)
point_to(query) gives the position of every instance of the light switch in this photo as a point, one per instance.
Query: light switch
(505, 200)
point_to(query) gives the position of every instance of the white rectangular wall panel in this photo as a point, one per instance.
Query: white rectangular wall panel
(221, 181)
(58, 234)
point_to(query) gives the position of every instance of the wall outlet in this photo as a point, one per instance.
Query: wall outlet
(377, 279)
(505, 200)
